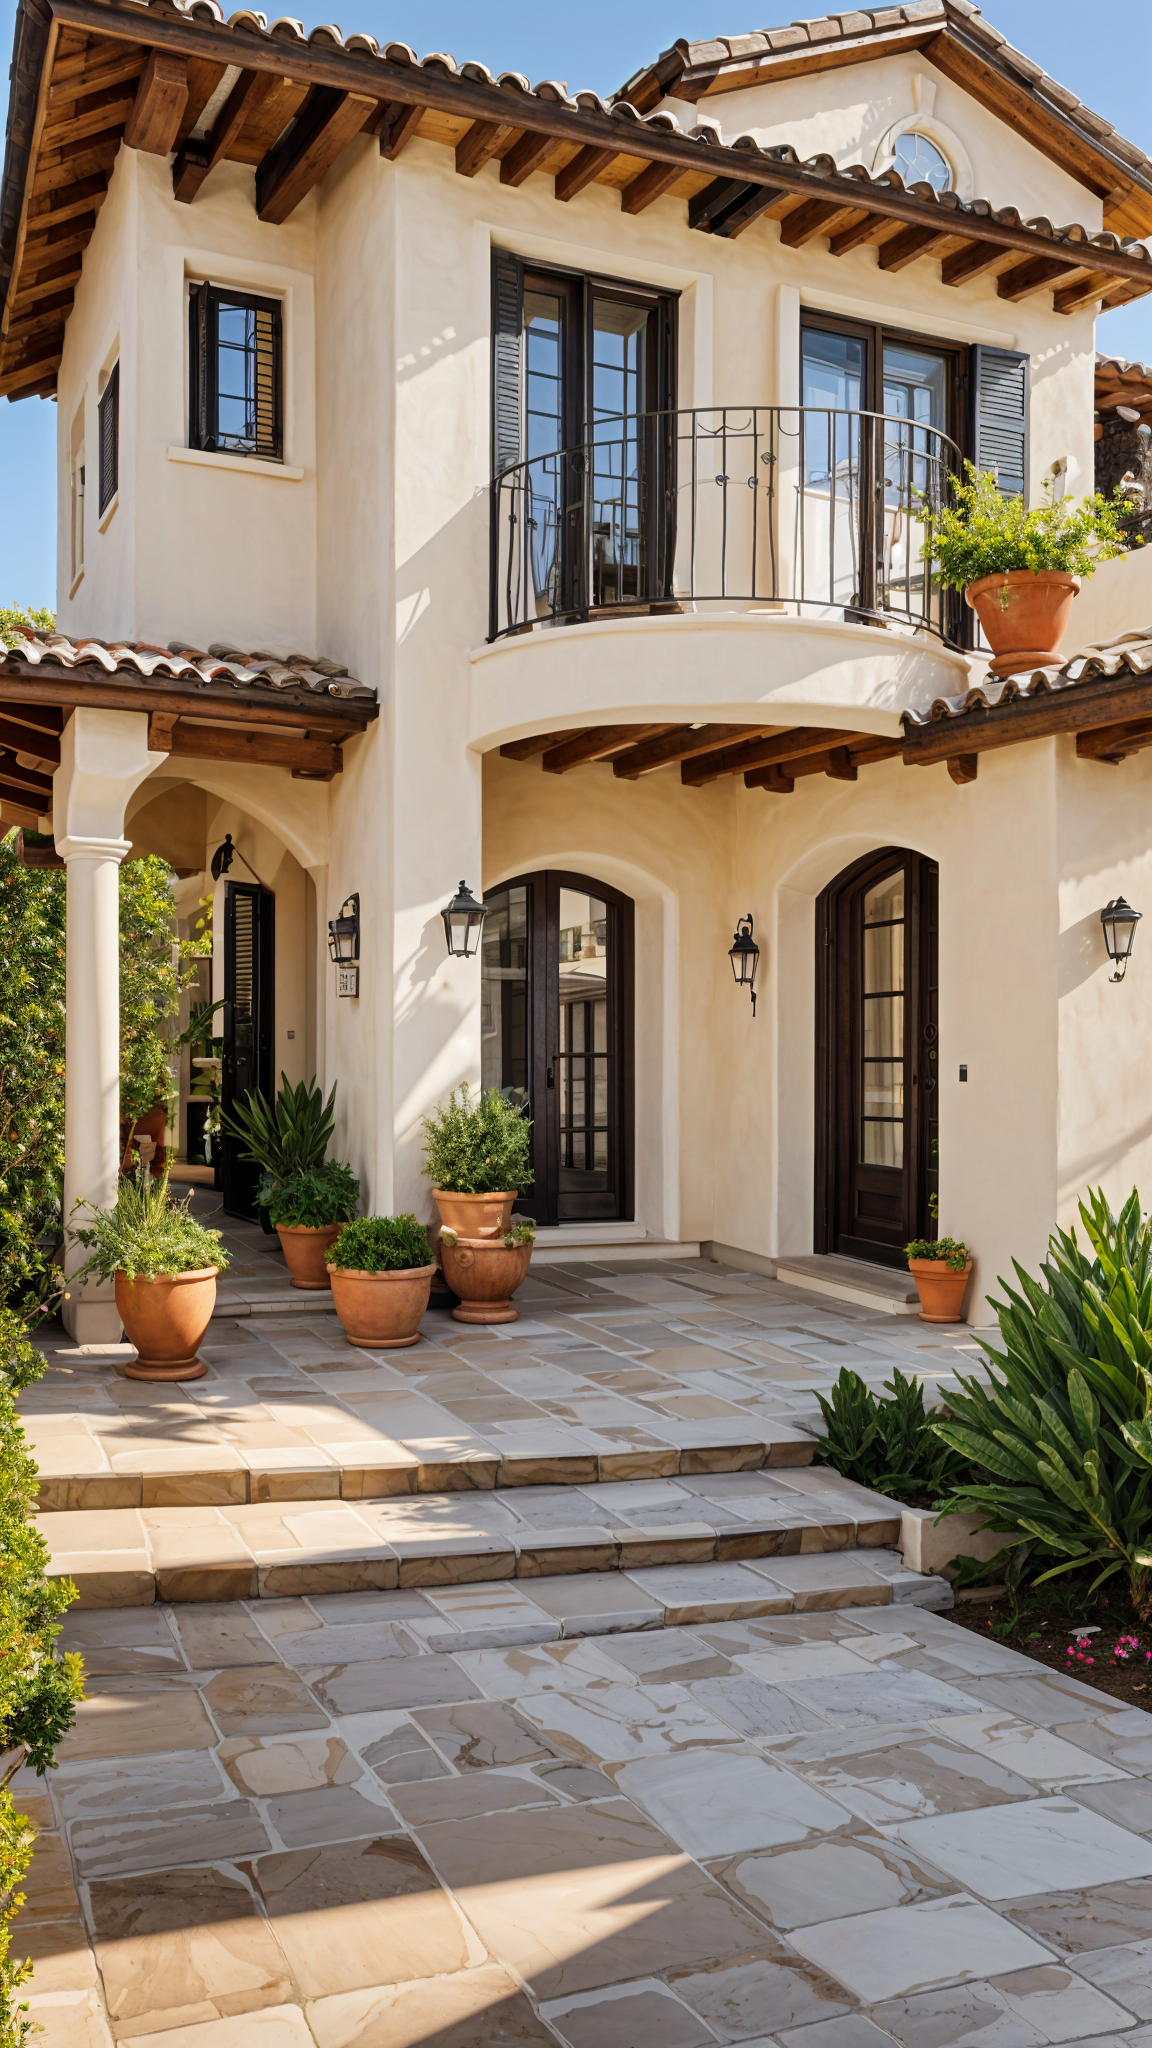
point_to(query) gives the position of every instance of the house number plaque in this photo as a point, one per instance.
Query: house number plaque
(348, 981)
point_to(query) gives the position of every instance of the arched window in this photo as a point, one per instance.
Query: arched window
(920, 162)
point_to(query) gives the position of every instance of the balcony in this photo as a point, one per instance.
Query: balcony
(803, 511)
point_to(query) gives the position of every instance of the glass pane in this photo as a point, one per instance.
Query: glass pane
(504, 994)
(576, 1016)
(600, 1101)
(883, 958)
(883, 1027)
(619, 347)
(600, 1027)
(585, 1082)
(886, 900)
(833, 373)
(919, 162)
(883, 1144)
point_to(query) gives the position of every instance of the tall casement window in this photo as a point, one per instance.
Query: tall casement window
(237, 358)
(583, 432)
(108, 412)
(76, 496)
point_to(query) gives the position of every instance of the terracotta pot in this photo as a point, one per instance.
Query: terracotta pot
(485, 1274)
(1025, 614)
(474, 1215)
(941, 1289)
(154, 1126)
(381, 1311)
(166, 1319)
(306, 1250)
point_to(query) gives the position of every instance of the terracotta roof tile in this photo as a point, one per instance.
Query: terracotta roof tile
(1129, 654)
(215, 664)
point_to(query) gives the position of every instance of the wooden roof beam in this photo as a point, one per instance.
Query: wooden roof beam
(91, 115)
(158, 108)
(28, 377)
(910, 243)
(480, 144)
(25, 685)
(536, 743)
(396, 127)
(50, 315)
(203, 79)
(1087, 707)
(840, 762)
(813, 217)
(87, 195)
(265, 749)
(584, 168)
(964, 264)
(1113, 743)
(38, 747)
(16, 777)
(530, 154)
(741, 216)
(717, 198)
(325, 125)
(764, 753)
(1075, 297)
(861, 231)
(651, 184)
(593, 745)
(683, 743)
(1039, 273)
(64, 238)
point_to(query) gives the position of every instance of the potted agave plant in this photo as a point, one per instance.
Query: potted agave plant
(164, 1265)
(381, 1272)
(478, 1156)
(1020, 570)
(940, 1267)
(486, 1271)
(308, 1197)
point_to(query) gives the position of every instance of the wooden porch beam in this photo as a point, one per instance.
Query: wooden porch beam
(26, 682)
(161, 726)
(28, 779)
(683, 743)
(203, 79)
(910, 243)
(1087, 707)
(267, 750)
(763, 753)
(396, 127)
(526, 156)
(158, 108)
(480, 144)
(839, 762)
(759, 201)
(15, 793)
(862, 231)
(583, 169)
(706, 206)
(1113, 743)
(593, 745)
(33, 720)
(38, 747)
(650, 184)
(1085, 293)
(326, 123)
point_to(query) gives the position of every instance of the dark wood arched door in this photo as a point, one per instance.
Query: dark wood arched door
(877, 1056)
(556, 1035)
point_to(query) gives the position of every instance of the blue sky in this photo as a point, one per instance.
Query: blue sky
(1104, 54)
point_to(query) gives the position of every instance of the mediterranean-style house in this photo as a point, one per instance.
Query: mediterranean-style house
(466, 478)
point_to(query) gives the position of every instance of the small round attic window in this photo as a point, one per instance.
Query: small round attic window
(920, 162)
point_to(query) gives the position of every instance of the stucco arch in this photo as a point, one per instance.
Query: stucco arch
(294, 811)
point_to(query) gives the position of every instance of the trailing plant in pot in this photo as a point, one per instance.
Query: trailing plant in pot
(478, 1156)
(940, 1267)
(307, 1196)
(164, 1265)
(1020, 569)
(486, 1271)
(381, 1271)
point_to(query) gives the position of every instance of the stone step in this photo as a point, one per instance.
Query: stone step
(886, 1290)
(132, 1556)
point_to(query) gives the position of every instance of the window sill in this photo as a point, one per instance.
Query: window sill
(77, 580)
(252, 465)
(108, 515)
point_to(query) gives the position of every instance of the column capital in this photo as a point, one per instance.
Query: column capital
(104, 757)
(81, 848)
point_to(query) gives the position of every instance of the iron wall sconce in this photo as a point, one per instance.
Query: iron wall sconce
(344, 946)
(744, 954)
(224, 856)
(1119, 921)
(463, 923)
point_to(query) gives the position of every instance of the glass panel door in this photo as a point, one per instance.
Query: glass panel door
(545, 419)
(915, 402)
(835, 380)
(504, 1023)
(583, 1062)
(619, 364)
(882, 1025)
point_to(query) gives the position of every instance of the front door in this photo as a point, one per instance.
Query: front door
(556, 1011)
(877, 1057)
(247, 1055)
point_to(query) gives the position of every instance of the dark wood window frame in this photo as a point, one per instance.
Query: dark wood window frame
(204, 305)
(108, 436)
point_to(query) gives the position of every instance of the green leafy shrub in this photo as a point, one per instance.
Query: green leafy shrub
(949, 1248)
(985, 534)
(23, 619)
(887, 1445)
(155, 970)
(39, 1686)
(314, 1197)
(147, 1233)
(480, 1146)
(381, 1244)
(32, 958)
(290, 1137)
(1064, 1432)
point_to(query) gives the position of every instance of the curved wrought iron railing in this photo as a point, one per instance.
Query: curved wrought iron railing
(748, 506)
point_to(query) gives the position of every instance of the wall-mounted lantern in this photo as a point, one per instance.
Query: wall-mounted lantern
(224, 856)
(1119, 921)
(463, 923)
(344, 946)
(744, 954)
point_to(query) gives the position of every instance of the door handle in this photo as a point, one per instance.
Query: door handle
(551, 1081)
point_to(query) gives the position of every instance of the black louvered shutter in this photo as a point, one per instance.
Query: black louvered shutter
(507, 356)
(1000, 417)
(109, 422)
(198, 355)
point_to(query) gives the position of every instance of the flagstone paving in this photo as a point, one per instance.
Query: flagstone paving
(310, 1823)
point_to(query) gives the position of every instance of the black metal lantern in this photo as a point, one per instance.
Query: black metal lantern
(1119, 921)
(344, 932)
(463, 923)
(744, 954)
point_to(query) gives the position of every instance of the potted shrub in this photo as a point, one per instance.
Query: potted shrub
(164, 1265)
(478, 1156)
(486, 1271)
(381, 1272)
(1019, 569)
(309, 1210)
(940, 1267)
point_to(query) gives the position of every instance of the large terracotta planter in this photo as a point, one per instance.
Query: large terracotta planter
(485, 1273)
(381, 1311)
(306, 1250)
(1025, 614)
(941, 1289)
(166, 1319)
(474, 1215)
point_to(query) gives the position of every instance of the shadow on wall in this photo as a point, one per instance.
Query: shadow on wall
(1090, 1172)
(1080, 954)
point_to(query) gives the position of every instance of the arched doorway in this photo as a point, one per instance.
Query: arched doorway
(556, 1033)
(877, 1064)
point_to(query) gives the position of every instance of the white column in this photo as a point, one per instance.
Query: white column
(103, 758)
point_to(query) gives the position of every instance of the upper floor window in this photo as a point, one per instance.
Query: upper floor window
(237, 402)
(109, 422)
(919, 162)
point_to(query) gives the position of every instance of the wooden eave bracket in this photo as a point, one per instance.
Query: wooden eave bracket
(158, 107)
